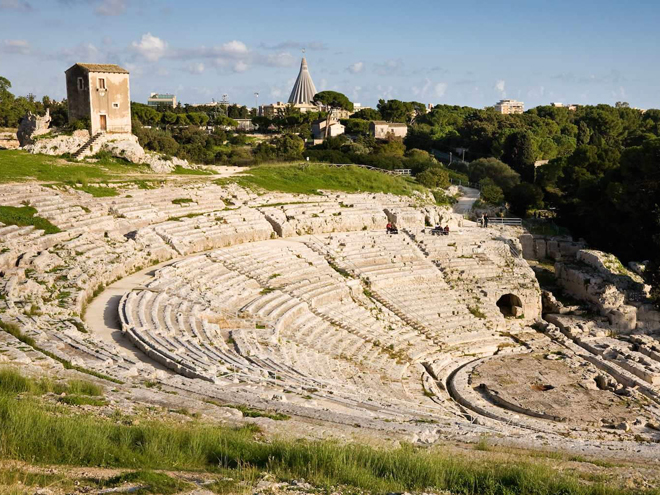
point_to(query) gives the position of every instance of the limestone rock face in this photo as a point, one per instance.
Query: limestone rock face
(59, 145)
(125, 146)
(9, 141)
(32, 126)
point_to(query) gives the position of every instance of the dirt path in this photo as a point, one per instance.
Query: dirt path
(466, 201)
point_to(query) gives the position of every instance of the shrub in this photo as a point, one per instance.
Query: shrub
(434, 177)
(490, 192)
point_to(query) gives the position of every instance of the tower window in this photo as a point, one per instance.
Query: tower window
(115, 105)
(102, 83)
(81, 84)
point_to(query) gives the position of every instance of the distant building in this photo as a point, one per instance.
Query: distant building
(302, 95)
(245, 125)
(100, 93)
(157, 99)
(572, 107)
(507, 107)
(318, 128)
(383, 130)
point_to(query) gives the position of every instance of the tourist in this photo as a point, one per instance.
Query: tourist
(446, 229)
(485, 221)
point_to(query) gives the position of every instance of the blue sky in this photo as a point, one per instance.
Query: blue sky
(465, 53)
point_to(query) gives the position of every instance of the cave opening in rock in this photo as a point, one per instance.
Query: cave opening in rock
(510, 305)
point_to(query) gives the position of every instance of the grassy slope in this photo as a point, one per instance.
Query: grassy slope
(310, 178)
(24, 216)
(17, 165)
(34, 432)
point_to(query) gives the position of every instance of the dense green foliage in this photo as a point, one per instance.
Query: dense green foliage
(13, 109)
(33, 432)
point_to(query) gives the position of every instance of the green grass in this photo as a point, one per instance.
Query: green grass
(13, 382)
(33, 432)
(149, 481)
(248, 412)
(24, 216)
(181, 201)
(310, 178)
(98, 192)
(19, 165)
(178, 170)
(81, 400)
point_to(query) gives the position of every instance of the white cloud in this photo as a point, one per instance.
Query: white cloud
(234, 48)
(20, 47)
(241, 66)
(440, 89)
(282, 59)
(295, 45)
(195, 68)
(389, 67)
(84, 52)
(355, 68)
(500, 87)
(150, 47)
(111, 7)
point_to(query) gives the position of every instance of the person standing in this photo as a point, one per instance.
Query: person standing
(485, 221)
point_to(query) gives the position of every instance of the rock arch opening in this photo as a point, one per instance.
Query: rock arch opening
(510, 305)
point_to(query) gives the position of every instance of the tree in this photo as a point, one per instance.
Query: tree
(491, 192)
(525, 197)
(396, 111)
(332, 101)
(367, 114)
(519, 153)
(434, 177)
(498, 172)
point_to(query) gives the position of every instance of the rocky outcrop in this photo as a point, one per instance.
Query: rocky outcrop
(59, 145)
(125, 146)
(9, 141)
(555, 248)
(32, 126)
(617, 293)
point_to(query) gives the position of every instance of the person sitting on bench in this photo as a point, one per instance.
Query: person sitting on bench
(446, 230)
(391, 229)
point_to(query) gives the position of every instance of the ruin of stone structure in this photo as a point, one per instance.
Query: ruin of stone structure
(305, 305)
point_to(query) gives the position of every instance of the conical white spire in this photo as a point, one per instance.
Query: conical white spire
(304, 90)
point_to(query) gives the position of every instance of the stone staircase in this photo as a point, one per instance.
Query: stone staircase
(86, 146)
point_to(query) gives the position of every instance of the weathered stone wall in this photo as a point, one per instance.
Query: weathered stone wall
(77, 99)
(555, 248)
(114, 102)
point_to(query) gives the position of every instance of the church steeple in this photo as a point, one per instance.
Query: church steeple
(303, 90)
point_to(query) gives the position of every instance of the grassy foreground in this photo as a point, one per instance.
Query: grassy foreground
(19, 165)
(310, 178)
(40, 433)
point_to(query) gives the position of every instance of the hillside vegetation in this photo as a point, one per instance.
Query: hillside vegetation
(18, 165)
(311, 178)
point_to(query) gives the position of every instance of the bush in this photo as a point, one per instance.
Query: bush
(490, 192)
(498, 172)
(434, 177)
